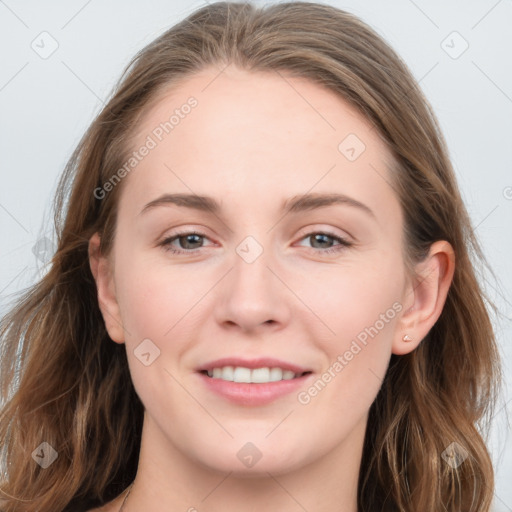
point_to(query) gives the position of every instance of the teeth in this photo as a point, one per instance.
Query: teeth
(260, 375)
(256, 375)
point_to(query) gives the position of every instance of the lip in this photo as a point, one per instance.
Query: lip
(261, 362)
(253, 394)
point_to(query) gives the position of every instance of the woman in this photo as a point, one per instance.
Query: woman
(250, 370)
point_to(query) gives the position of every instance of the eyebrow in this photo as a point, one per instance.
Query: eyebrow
(295, 204)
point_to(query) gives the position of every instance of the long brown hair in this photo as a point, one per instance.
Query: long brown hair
(64, 382)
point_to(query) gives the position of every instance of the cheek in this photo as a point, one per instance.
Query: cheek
(356, 363)
(361, 307)
(351, 296)
(153, 296)
(154, 300)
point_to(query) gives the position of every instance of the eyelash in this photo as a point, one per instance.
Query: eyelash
(343, 243)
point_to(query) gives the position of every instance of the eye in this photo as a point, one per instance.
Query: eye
(185, 239)
(323, 237)
(191, 242)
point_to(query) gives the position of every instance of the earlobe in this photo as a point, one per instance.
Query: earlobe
(425, 296)
(107, 301)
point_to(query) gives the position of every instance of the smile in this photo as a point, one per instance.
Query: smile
(252, 375)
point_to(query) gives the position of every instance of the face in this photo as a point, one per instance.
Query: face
(319, 286)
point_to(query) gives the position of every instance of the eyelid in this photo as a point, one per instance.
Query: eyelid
(191, 229)
(184, 232)
(343, 241)
(328, 230)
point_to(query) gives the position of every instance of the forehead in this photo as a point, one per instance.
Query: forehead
(257, 103)
(252, 134)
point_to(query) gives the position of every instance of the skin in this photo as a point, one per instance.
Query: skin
(254, 140)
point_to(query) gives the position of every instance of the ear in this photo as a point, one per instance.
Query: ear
(101, 269)
(425, 296)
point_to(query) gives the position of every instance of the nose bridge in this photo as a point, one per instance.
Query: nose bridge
(251, 275)
(253, 294)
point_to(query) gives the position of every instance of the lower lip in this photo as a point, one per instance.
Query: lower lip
(244, 393)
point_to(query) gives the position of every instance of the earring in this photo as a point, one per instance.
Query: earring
(407, 337)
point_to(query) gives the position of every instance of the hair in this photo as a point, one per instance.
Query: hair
(70, 385)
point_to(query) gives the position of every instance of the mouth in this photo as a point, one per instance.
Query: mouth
(253, 383)
(262, 370)
(263, 375)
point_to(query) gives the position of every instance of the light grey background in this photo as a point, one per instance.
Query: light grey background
(47, 103)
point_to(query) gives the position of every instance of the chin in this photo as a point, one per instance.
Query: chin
(250, 462)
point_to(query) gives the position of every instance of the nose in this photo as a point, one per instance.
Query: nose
(252, 295)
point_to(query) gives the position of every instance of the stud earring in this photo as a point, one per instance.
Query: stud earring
(407, 337)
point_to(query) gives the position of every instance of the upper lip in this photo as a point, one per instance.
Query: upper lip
(261, 362)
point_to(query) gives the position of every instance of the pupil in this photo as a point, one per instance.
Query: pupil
(188, 237)
(316, 238)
